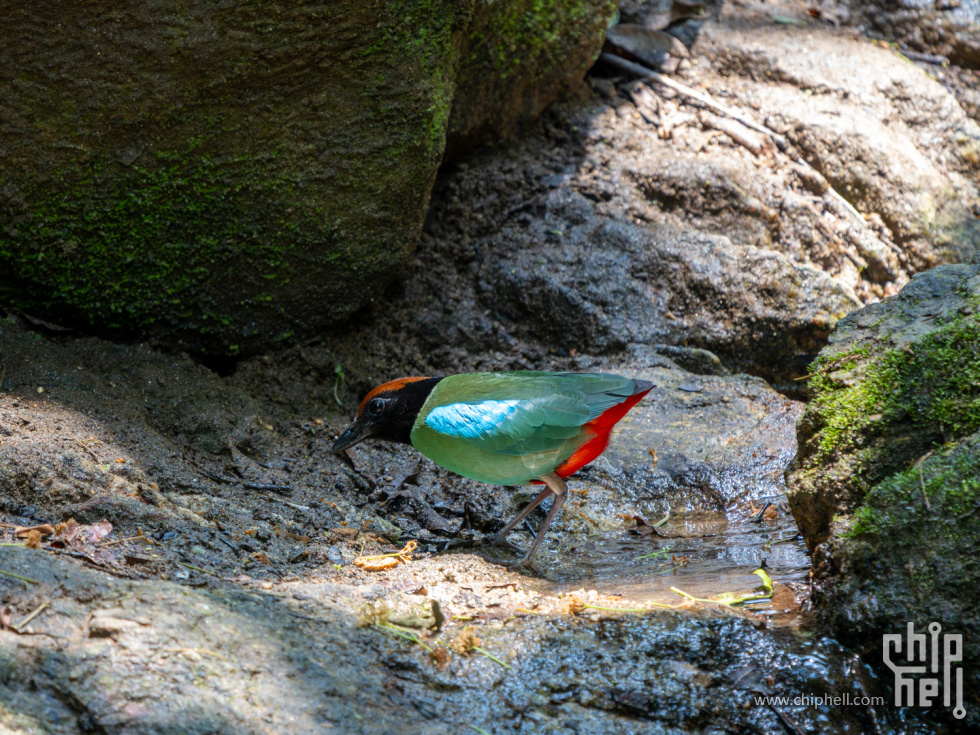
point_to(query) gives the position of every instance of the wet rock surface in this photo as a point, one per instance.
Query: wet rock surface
(946, 28)
(885, 485)
(151, 656)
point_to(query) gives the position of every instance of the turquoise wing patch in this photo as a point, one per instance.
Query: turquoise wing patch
(514, 427)
(471, 420)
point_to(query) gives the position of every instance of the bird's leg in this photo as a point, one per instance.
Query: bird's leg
(500, 538)
(560, 489)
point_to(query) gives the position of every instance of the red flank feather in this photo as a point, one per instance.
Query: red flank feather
(601, 427)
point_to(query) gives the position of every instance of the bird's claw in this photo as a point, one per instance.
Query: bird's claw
(522, 563)
(499, 540)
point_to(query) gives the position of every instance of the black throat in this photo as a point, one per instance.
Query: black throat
(396, 424)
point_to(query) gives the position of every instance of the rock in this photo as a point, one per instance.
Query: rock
(697, 443)
(946, 27)
(632, 221)
(276, 663)
(884, 486)
(893, 159)
(596, 284)
(226, 178)
(517, 59)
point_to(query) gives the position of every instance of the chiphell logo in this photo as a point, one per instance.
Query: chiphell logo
(921, 654)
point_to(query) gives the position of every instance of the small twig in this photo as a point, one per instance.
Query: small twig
(307, 617)
(731, 128)
(780, 141)
(924, 58)
(841, 200)
(220, 478)
(25, 580)
(401, 633)
(85, 447)
(786, 720)
(758, 516)
(264, 486)
(625, 609)
(41, 608)
(491, 657)
(922, 484)
(138, 537)
(198, 569)
(198, 651)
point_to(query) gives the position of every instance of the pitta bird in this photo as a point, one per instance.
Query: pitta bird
(506, 428)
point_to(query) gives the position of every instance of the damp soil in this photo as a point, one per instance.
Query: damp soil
(200, 576)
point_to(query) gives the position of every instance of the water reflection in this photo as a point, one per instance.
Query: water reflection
(702, 555)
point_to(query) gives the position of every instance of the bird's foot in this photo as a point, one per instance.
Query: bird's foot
(523, 563)
(501, 540)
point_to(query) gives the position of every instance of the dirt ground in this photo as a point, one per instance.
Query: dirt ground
(198, 575)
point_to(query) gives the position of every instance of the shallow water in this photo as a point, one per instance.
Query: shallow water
(702, 555)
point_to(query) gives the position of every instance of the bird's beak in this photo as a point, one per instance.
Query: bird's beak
(356, 432)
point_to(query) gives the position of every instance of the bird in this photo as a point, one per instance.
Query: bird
(503, 428)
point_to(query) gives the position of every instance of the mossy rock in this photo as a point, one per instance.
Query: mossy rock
(226, 177)
(886, 484)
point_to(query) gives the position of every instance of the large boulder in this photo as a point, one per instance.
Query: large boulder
(885, 485)
(227, 176)
(947, 28)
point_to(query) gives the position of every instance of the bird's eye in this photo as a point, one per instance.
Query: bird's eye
(376, 406)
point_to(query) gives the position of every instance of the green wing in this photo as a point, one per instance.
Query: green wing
(512, 427)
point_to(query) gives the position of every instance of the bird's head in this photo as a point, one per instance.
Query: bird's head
(388, 412)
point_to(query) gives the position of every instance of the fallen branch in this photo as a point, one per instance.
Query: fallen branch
(656, 76)
(735, 130)
(780, 141)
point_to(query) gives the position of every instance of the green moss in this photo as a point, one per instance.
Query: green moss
(270, 191)
(124, 246)
(912, 546)
(523, 37)
(422, 34)
(948, 481)
(929, 389)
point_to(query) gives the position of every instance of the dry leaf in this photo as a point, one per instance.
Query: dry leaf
(293, 536)
(386, 561)
(98, 530)
(441, 657)
(44, 529)
(261, 557)
(466, 640)
(376, 564)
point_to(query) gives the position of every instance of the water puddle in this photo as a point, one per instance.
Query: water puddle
(703, 556)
